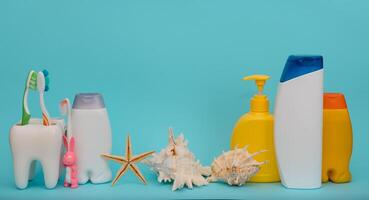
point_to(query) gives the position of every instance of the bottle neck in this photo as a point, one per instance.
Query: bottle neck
(259, 103)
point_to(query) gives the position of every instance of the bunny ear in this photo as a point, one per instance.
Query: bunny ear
(65, 141)
(71, 144)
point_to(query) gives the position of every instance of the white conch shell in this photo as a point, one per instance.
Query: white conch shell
(235, 167)
(177, 163)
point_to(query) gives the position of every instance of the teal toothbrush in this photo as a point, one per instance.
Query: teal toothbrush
(31, 83)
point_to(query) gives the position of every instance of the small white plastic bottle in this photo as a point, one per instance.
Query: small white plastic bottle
(92, 132)
(298, 122)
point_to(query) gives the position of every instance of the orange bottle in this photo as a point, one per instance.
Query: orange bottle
(337, 139)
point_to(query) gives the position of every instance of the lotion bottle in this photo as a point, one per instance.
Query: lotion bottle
(337, 139)
(91, 128)
(255, 130)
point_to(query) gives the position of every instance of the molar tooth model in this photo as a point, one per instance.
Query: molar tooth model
(69, 158)
(235, 167)
(31, 141)
(177, 163)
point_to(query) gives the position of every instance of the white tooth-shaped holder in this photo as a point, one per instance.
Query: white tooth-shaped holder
(36, 142)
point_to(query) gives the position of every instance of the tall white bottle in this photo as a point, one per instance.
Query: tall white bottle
(298, 122)
(92, 132)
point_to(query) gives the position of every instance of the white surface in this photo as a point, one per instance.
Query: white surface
(298, 130)
(91, 129)
(36, 142)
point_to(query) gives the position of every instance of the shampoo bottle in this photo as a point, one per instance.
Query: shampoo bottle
(298, 122)
(255, 130)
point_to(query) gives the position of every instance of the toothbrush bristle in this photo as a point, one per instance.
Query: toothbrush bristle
(64, 107)
(45, 72)
(34, 76)
(33, 81)
(47, 79)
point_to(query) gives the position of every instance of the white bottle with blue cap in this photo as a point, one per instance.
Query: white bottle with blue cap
(298, 122)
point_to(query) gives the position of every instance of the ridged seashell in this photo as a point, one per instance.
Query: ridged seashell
(176, 163)
(235, 167)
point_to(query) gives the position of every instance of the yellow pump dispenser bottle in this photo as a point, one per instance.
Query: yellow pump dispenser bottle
(255, 130)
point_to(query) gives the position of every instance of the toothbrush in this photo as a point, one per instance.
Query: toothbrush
(66, 110)
(69, 158)
(43, 86)
(31, 83)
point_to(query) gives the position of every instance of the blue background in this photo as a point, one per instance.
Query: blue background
(180, 64)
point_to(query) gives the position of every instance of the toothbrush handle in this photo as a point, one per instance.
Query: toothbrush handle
(25, 112)
(45, 114)
(45, 120)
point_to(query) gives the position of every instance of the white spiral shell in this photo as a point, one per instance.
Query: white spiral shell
(176, 163)
(235, 167)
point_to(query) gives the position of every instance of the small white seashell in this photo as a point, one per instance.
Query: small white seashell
(235, 167)
(176, 163)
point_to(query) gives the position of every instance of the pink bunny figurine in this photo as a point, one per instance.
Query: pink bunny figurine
(69, 161)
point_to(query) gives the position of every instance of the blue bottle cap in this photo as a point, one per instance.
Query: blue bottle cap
(300, 65)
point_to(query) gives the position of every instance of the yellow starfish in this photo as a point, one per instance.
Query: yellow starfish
(128, 162)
